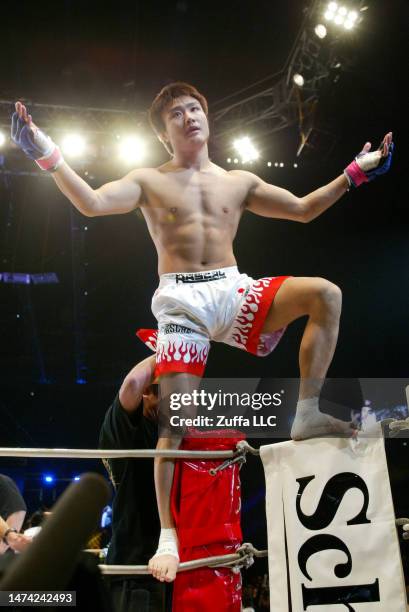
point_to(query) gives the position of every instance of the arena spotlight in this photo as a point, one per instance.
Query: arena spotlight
(320, 30)
(350, 20)
(132, 149)
(246, 150)
(2, 138)
(330, 11)
(73, 145)
(48, 479)
(340, 15)
(298, 79)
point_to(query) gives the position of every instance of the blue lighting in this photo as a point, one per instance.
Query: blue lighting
(76, 478)
(48, 478)
(81, 381)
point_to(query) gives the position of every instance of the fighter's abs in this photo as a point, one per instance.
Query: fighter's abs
(193, 222)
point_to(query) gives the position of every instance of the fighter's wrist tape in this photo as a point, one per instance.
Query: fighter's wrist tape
(52, 161)
(168, 543)
(7, 532)
(355, 175)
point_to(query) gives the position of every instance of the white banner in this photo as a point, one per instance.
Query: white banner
(331, 499)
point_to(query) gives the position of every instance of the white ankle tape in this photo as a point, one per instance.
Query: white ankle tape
(307, 405)
(168, 543)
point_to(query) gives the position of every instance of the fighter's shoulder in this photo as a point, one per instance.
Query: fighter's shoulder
(142, 176)
(247, 177)
(241, 175)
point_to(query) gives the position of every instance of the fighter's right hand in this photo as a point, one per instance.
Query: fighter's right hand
(35, 144)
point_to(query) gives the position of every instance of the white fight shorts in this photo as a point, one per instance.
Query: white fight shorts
(194, 308)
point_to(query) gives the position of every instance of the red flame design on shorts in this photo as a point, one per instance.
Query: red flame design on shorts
(248, 312)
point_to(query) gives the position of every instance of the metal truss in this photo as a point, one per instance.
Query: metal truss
(283, 104)
(50, 116)
(272, 104)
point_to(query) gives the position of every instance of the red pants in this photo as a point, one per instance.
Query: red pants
(207, 515)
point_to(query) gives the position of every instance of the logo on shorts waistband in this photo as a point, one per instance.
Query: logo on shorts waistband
(200, 277)
(173, 328)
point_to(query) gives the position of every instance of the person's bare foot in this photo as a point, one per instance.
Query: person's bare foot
(318, 424)
(164, 567)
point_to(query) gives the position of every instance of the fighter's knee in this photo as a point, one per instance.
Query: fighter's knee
(328, 294)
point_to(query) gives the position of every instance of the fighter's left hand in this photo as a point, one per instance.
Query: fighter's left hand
(370, 164)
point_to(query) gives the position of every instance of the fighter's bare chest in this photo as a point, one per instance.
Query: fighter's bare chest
(207, 194)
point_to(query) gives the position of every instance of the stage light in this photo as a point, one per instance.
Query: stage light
(132, 149)
(298, 80)
(320, 30)
(246, 149)
(229, 160)
(73, 145)
(48, 479)
(2, 138)
(269, 164)
(76, 478)
(341, 16)
(281, 165)
(295, 165)
(331, 10)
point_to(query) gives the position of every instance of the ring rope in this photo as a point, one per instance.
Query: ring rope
(243, 558)
(86, 453)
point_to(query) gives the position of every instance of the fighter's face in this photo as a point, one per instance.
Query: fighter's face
(186, 125)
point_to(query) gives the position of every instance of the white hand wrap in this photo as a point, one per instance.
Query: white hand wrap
(369, 161)
(52, 157)
(168, 543)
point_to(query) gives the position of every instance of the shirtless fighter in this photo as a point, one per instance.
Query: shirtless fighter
(193, 208)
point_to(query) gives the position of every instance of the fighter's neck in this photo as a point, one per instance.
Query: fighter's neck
(195, 160)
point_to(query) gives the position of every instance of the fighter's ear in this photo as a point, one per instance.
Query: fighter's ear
(165, 140)
(163, 136)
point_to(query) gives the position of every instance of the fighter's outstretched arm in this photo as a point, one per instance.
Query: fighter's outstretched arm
(117, 197)
(271, 201)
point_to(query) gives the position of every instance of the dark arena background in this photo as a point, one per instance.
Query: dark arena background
(74, 289)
